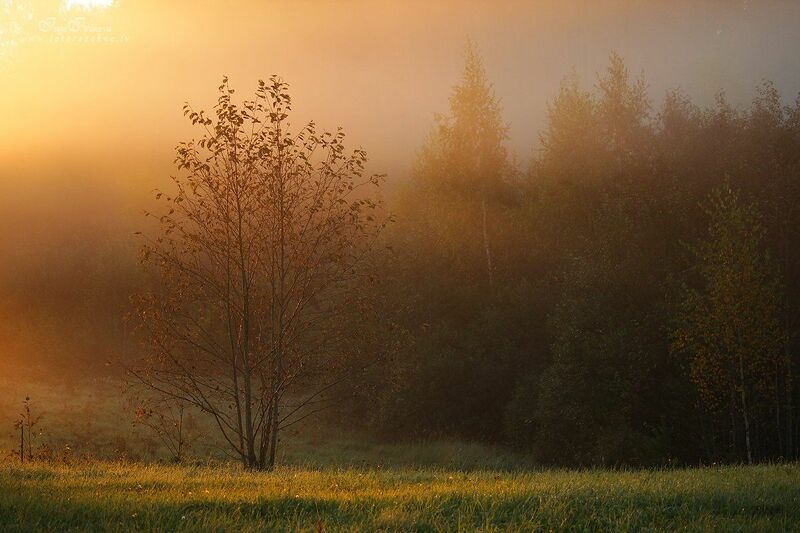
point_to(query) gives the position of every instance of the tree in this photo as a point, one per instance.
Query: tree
(460, 176)
(730, 323)
(262, 250)
(568, 341)
(454, 223)
(571, 143)
(623, 110)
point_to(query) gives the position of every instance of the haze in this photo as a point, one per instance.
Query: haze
(96, 88)
(91, 97)
(586, 253)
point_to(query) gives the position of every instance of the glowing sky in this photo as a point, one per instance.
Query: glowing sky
(87, 4)
(100, 90)
(91, 94)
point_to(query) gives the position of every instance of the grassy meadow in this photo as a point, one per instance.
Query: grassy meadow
(105, 496)
(93, 421)
(115, 478)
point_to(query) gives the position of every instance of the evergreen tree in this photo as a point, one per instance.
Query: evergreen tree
(462, 174)
(454, 221)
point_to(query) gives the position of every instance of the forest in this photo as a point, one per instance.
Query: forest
(626, 297)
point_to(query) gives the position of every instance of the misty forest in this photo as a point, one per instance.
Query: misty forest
(628, 297)
(623, 296)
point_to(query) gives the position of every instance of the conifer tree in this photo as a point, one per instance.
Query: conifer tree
(463, 168)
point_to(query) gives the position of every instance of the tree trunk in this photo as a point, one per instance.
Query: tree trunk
(179, 444)
(745, 417)
(789, 401)
(273, 446)
(746, 420)
(732, 433)
(778, 425)
(486, 246)
(787, 337)
(250, 460)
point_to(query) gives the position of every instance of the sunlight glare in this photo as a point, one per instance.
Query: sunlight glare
(87, 4)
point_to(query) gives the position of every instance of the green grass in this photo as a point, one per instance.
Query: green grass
(335, 480)
(93, 420)
(115, 496)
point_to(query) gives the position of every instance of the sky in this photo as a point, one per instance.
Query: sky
(91, 93)
(91, 90)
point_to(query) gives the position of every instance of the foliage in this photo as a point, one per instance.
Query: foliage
(553, 329)
(260, 255)
(730, 326)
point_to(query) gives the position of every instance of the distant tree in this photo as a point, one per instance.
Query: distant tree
(623, 109)
(571, 143)
(262, 249)
(594, 162)
(592, 138)
(453, 240)
(462, 170)
(560, 331)
(594, 403)
(730, 323)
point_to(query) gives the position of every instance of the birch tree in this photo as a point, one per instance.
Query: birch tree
(730, 324)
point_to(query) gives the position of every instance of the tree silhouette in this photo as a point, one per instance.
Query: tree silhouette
(260, 250)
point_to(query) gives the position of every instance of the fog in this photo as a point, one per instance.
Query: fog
(104, 88)
(521, 281)
(91, 103)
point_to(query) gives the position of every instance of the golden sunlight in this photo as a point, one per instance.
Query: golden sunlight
(366, 265)
(87, 4)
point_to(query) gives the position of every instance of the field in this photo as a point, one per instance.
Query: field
(119, 496)
(115, 479)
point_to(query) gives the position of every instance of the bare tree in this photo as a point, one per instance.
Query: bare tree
(170, 420)
(262, 250)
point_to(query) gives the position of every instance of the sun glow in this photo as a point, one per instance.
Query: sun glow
(87, 4)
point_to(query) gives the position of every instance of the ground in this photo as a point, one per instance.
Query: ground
(105, 474)
(118, 496)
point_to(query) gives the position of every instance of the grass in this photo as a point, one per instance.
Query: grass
(116, 496)
(341, 481)
(93, 420)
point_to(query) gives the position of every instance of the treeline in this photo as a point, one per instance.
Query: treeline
(631, 297)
